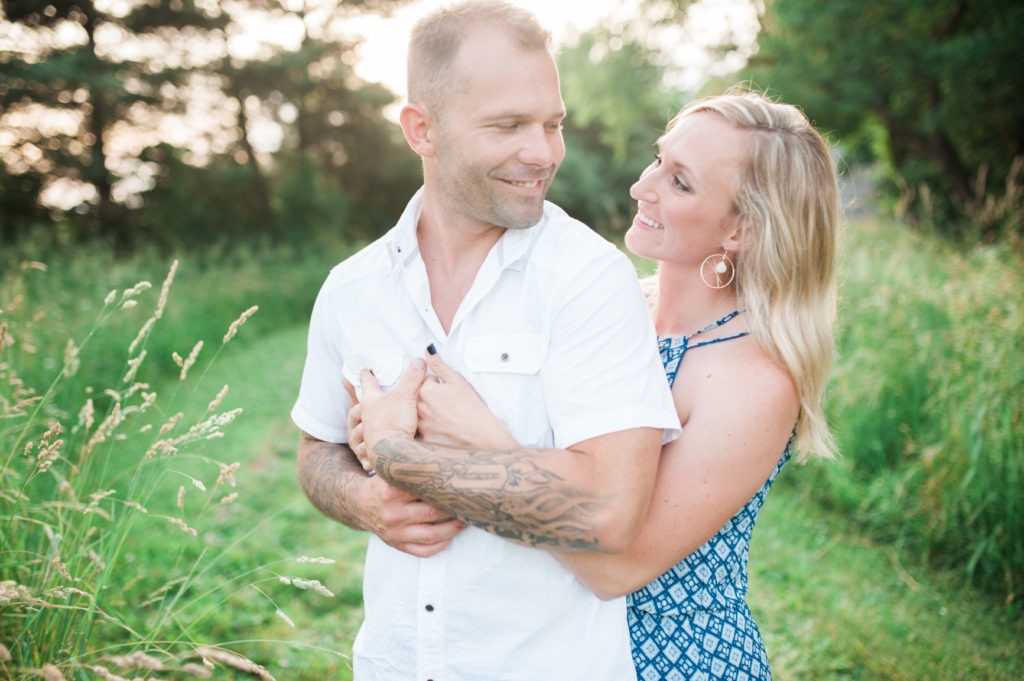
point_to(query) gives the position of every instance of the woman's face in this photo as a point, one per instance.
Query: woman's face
(685, 197)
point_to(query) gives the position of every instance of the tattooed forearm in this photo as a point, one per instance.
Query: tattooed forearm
(510, 493)
(330, 474)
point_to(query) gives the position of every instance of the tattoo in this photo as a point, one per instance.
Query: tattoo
(507, 493)
(329, 474)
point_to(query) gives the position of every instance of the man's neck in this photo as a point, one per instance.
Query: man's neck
(452, 253)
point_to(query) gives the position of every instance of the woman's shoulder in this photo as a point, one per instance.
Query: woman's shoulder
(739, 374)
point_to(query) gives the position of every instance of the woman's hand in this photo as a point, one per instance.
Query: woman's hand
(451, 413)
(355, 427)
(391, 414)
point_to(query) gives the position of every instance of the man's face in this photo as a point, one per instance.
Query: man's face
(499, 141)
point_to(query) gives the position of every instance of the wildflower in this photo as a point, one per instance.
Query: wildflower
(165, 290)
(308, 584)
(53, 431)
(51, 673)
(187, 364)
(104, 429)
(71, 361)
(227, 473)
(12, 591)
(235, 661)
(85, 416)
(95, 559)
(193, 669)
(181, 523)
(321, 561)
(233, 329)
(181, 497)
(106, 673)
(137, 506)
(47, 456)
(229, 499)
(133, 367)
(134, 291)
(286, 618)
(62, 569)
(141, 336)
(137, 659)
(169, 426)
(97, 497)
(199, 485)
(217, 400)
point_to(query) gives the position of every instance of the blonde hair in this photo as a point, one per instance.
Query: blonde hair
(436, 38)
(787, 207)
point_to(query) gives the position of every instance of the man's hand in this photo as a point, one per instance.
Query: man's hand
(410, 525)
(389, 414)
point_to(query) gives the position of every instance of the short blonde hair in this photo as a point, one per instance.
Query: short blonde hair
(436, 38)
(787, 207)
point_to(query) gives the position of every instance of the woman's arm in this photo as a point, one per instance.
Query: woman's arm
(588, 497)
(737, 418)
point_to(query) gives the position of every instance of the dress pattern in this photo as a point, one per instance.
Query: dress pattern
(693, 623)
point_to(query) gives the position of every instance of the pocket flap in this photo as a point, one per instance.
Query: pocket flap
(386, 366)
(509, 353)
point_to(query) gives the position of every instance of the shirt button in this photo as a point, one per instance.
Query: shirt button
(504, 357)
(430, 608)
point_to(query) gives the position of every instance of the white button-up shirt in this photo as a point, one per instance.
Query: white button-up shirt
(555, 336)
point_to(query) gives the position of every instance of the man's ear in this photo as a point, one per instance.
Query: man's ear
(418, 125)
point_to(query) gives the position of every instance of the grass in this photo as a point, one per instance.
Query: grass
(833, 604)
(926, 402)
(845, 577)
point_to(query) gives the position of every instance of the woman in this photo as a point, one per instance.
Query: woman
(740, 209)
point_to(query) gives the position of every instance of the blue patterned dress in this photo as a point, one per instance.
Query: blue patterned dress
(693, 622)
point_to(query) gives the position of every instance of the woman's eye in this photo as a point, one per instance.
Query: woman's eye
(657, 161)
(679, 184)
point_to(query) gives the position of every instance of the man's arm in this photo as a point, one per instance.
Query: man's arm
(338, 487)
(592, 496)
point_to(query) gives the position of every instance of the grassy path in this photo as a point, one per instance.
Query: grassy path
(830, 603)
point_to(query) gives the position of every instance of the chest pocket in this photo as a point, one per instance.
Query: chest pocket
(387, 367)
(505, 371)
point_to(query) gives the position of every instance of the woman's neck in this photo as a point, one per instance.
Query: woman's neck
(685, 304)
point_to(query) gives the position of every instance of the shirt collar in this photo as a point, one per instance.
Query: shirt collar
(402, 243)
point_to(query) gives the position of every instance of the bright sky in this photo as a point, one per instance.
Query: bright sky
(383, 52)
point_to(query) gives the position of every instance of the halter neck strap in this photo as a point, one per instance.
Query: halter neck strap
(673, 348)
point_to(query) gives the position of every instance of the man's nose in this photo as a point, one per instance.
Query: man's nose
(542, 147)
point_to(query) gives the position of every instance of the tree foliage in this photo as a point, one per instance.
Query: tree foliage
(150, 113)
(617, 106)
(930, 89)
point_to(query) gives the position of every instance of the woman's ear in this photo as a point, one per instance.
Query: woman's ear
(418, 126)
(739, 238)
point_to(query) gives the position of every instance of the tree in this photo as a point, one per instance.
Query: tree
(335, 135)
(90, 86)
(617, 104)
(930, 89)
(93, 109)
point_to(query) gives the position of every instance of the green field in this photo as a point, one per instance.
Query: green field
(846, 579)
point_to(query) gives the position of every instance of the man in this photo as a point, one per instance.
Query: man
(546, 321)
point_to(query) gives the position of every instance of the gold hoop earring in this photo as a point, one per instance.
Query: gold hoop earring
(718, 264)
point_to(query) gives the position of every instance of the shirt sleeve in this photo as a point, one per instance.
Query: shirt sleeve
(322, 405)
(603, 372)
